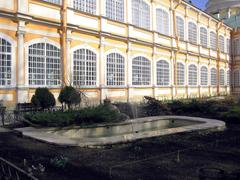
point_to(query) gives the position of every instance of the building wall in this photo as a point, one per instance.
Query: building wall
(25, 22)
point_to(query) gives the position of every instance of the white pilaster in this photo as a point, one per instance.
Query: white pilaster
(69, 68)
(21, 83)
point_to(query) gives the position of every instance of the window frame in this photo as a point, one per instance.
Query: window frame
(213, 42)
(124, 69)
(114, 14)
(76, 5)
(192, 80)
(203, 42)
(212, 78)
(141, 82)
(192, 38)
(138, 21)
(160, 26)
(183, 78)
(221, 43)
(94, 52)
(204, 82)
(166, 77)
(182, 31)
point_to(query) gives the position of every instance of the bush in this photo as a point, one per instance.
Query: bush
(232, 116)
(97, 114)
(70, 96)
(43, 98)
(155, 107)
(51, 119)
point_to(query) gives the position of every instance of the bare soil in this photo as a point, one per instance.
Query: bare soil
(179, 156)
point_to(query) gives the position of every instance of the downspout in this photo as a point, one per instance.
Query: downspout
(64, 41)
(177, 40)
(219, 26)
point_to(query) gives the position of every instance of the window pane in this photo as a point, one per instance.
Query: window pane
(204, 76)
(203, 37)
(192, 33)
(141, 71)
(115, 70)
(180, 74)
(5, 62)
(88, 6)
(221, 43)
(213, 76)
(115, 9)
(222, 77)
(163, 74)
(162, 21)
(84, 68)
(213, 40)
(192, 75)
(140, 14)
(59, 2)
(180, 27)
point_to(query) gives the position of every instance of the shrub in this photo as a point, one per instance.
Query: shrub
(70, 96)
(51, 119)
(232, 116)
(97, 114)
(155, 107)
(43, 98)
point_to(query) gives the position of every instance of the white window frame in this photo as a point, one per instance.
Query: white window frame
(221, 43)
(192, 76)
(116, 84)
(213, 40)
(204, 76)
(213, 76)
(36, 41)
(182, 81)
(203, 37)
(163, 72)
(141, 82)
(113, 11)
(180, 28)
(84, 46)
(192, 38)
(236, 78)
(58, 2)
(162, 21)
(13, 59)
(84, 6)
(137, 19)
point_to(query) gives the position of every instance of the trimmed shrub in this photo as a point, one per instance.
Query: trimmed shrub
(51, 119)
(70, 96)
(232, 116)
(99, 114)
(43, 98)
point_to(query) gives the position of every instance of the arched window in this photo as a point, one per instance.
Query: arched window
(84, 67)
(44, 68)
(163, 73)
(228, 77)
(192, 33)
(213, 76)
(192, 75)
(228, 46)
(115, 70)
(221, 43)
(180, 27)
(213, 40)
(59, 2)
(162, 21)
(180, 74)
(5, 62)
(236, 78)
(141, 71)
(204, 76)
(140, 14)
(236, 47)
(222, 77)
(88, 6)
(203, 37)
(115, 10)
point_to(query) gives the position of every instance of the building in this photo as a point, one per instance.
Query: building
(120, 49)
(229, 12)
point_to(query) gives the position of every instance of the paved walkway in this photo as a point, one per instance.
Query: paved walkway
(51, 135)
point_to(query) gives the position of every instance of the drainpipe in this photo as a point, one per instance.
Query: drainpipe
(63, 33)
(219, 26)
(177, 40)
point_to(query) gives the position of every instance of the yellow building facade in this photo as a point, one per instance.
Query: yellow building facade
(119, 49)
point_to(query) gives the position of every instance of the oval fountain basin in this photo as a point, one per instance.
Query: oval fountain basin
(105, 134)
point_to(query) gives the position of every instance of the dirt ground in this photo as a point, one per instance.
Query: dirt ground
(178, 157)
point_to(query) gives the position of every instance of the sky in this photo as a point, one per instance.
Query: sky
(200, 3)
